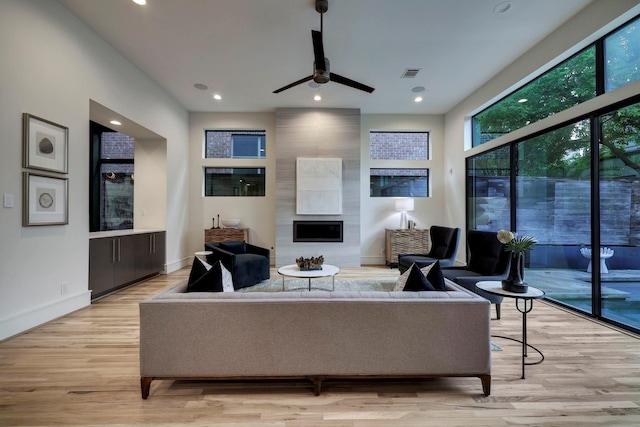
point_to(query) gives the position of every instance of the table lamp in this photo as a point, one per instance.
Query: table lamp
(404, 205)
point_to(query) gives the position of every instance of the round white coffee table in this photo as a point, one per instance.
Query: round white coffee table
(292, 270)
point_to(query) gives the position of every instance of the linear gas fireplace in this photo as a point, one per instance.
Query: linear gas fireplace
(317, 231)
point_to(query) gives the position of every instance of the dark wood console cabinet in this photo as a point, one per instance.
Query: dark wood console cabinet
(118, 261)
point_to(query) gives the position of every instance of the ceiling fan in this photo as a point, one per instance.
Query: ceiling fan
(321, 72)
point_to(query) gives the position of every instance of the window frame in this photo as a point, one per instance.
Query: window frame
(238, 193)
(229, 151)
(600, 83)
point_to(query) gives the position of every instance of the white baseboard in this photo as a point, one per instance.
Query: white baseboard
(177, 265)
(372, 260)
(36, 316)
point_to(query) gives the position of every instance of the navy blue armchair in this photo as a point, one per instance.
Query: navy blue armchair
(487, 260)
(248, 264)
(444, 248)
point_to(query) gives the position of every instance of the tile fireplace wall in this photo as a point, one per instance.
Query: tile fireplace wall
(321, 133)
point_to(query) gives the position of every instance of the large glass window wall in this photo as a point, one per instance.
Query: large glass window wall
(574, 187)
(619, 193)
(586, 220)
(553, 204)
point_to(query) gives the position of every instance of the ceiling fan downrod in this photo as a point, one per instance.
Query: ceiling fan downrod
(321, 7)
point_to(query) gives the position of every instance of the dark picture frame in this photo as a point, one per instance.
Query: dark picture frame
(45, 144)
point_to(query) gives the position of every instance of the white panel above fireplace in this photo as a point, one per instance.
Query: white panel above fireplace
(318, 186)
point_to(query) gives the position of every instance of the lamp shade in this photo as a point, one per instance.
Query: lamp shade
(404, 205)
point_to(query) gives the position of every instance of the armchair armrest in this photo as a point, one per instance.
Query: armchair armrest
(402, 255)
(253, 249)
(227, 258)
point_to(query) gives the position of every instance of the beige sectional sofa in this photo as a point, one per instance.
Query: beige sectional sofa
(315, 335)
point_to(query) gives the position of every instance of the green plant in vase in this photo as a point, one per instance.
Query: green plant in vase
(518, 246)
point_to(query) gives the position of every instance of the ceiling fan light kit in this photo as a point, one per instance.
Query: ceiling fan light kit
(321, 66)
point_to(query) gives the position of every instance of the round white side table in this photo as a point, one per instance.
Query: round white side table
(203, 255)
(495, 287)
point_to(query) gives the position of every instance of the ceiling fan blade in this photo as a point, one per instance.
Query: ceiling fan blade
(318, 50)
(306, 79)
(337, 78)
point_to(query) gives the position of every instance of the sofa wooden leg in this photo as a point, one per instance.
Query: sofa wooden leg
(486, 384)
(145, 386)
(317, 384)
(498, 310)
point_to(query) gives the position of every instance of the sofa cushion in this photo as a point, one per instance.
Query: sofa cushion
(483, 265)
(435, 277)
(417, 281)
(235, 247)
(216, 279)
(402, 280)
(198, 269)
(454, 274)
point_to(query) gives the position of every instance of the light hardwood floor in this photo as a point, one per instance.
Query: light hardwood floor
(82, 369)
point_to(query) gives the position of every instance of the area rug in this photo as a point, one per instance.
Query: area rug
(495, 347)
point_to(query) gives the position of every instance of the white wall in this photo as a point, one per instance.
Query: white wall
(255, 213)
(150, 184)
(52, 66)
(591, 23)
(259, 214)
(378, 213)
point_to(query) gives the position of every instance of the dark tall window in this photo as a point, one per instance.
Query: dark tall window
(111, 179)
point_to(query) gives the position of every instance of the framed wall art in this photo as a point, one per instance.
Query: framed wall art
(318, 186)
(45, 144)
(45, 200)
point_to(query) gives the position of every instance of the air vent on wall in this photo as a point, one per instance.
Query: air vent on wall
(410, 73)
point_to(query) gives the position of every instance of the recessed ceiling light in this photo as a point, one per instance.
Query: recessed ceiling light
(418, 99)
(522, 100)
(217, 97)
(200, 86)
(418, 89)
(140, 2)
(503, 7)
(115, 122)
(317, 98)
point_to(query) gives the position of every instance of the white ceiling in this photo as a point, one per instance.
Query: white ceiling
(246, 49)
